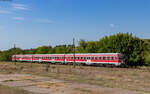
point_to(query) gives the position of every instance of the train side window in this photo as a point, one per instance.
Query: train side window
(108, 58)
(92, 58)
(71, 57)
(75, 57)
(112, 58)
(104, 58)
(95, 58)
(78, 58)
(100, 58)
(84, 58)
(88, 57)
(81, 57)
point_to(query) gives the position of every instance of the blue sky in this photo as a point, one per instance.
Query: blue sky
(33, 23)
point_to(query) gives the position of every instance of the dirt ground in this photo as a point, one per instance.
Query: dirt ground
(64, 79)
(45, 85)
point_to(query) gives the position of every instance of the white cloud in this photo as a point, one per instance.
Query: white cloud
(18, 18)
(112, 25)
(5, 12)
(44, 21)
(20, 7)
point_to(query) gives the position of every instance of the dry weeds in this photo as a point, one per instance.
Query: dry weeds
(130, 79)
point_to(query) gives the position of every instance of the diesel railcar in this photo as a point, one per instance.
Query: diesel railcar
(116, 59)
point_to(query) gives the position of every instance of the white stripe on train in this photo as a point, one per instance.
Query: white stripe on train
(88, 63)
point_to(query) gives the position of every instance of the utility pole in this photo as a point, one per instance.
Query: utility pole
(74, 52)
(15, 53)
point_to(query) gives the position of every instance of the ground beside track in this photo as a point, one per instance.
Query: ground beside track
(64, 79)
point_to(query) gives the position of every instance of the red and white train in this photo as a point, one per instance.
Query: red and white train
(116, 59)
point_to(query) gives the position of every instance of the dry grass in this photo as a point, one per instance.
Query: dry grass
(12, 90)
(49, 84)
(130, 79)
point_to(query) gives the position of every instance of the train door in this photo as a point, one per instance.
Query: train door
(108, 60)
(52, 59)
(40, 59)
(65, 61)
(88, 60)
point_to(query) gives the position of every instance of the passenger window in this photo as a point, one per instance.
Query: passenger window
(75, 57)
(84, 58)
(95, 58)
(121, 57)
(104, 58)
(92, 58)
(108, 58)
(88, 57)
(112, 58)
(100, 58)
(71, 57)
(81, 58)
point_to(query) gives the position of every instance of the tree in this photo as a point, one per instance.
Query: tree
(60, 49)
(50, 50)
(132, 47)
(7, 54)
(92, 47)
(42, 50)
(82, 46)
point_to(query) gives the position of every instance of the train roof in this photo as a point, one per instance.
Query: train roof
(76, 54)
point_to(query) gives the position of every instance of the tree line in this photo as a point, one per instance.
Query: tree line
(136, 50)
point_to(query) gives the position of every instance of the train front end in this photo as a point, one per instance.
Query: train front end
(121, 60)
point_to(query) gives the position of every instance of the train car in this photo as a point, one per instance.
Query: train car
(116, 59)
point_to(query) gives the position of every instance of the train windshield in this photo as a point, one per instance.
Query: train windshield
(121, 57)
